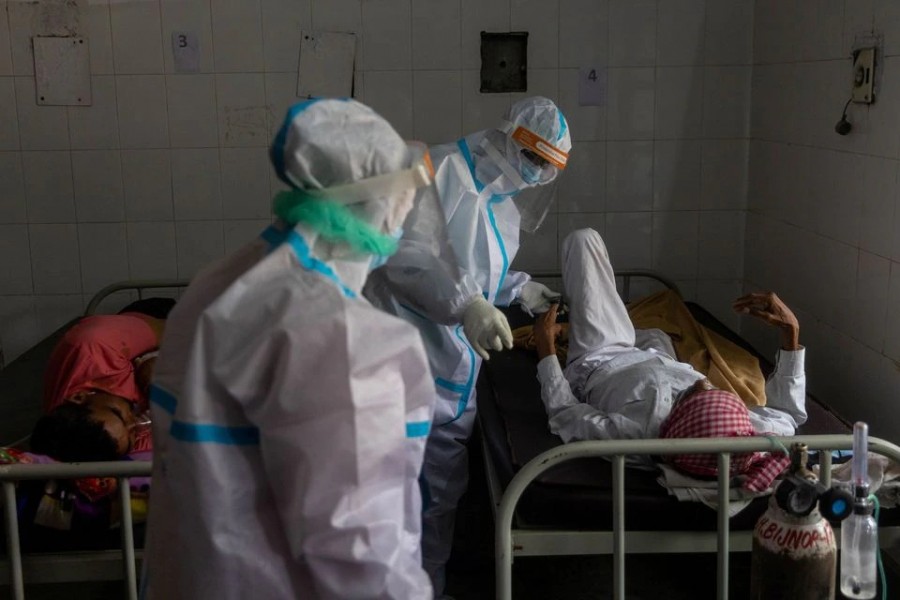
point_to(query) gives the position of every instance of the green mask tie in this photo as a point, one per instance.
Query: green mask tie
(333, 221)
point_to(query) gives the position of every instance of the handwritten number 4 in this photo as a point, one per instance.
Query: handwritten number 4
(593, 75)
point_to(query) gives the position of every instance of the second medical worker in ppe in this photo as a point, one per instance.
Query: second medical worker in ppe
(290, 415)
(491, 184)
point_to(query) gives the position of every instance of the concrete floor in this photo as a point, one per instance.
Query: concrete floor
(648, 577)
(544, 578)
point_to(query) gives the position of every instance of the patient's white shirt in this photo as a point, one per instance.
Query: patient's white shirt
(626, 393)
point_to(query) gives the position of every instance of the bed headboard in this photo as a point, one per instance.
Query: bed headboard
(625, 275)
(138, 285)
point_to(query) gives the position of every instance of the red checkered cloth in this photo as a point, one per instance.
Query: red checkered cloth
(717, 413)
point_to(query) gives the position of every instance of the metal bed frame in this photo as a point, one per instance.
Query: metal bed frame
(10, 474)
(626, 275)
(511, 542)
(77, 566)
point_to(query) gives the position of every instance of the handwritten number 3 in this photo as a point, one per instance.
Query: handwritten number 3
(182, 41)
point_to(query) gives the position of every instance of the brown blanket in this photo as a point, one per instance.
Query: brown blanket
(726, 365)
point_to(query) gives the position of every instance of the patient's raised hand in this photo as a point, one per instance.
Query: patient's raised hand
(546, 330)
(768, 307)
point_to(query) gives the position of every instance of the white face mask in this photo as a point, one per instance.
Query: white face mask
(379, 260)
(531, 173)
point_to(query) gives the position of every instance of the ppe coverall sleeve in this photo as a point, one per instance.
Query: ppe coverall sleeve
(426, 283)
(573, 420)
(785, 408)
(536, 298)
(511, 287)
(334, 445)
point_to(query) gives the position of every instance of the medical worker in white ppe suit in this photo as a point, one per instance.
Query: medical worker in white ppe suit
(491, 184)
(289, 415)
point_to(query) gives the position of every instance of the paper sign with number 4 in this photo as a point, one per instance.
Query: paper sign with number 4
(591, 86)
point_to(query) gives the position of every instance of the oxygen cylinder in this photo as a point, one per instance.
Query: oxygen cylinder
(794, 553)
(794, 557)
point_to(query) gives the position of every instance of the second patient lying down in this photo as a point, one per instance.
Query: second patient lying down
(96, 385)
(612, 389)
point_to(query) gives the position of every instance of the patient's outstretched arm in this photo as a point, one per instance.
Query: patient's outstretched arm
(768, 307)
(785, 408)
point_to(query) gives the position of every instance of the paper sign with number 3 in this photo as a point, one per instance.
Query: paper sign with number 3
(186, 51)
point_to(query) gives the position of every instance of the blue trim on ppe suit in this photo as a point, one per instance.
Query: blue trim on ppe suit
(418, 429)
(307, 260)
(234, 436)
(273, 236)
(465, 390)
(163, 399)
(202, 432)
(214, 434)
(276, 152)
(495, 199)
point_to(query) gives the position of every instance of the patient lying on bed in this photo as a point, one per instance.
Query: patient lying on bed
(613, 389)
(96, 386)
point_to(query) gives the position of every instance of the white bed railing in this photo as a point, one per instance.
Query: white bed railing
(121, 470)
(521, 542)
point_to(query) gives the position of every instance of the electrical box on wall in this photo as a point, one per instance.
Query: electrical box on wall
(863, 76)
(504, 62)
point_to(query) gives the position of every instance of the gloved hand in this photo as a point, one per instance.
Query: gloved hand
(536, 298)
(486, 327)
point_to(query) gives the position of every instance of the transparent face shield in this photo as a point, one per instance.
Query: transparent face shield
(532, 164)
(533, 204)
(406, 203)
(424, 236)
(384, 194)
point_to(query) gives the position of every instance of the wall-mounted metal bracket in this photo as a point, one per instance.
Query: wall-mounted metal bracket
(864, 76)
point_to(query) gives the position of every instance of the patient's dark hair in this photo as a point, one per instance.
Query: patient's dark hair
(68, 433)
(158, 308)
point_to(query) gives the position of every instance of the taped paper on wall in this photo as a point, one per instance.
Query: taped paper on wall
(326, 64)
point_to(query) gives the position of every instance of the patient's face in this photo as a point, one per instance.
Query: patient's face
(116, 414)
(700, 386)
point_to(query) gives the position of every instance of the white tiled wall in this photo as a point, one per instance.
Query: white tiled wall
(166, 171)
(823, 228)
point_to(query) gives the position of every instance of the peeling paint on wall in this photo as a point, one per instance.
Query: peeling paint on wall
(46, 18)
(245, 126)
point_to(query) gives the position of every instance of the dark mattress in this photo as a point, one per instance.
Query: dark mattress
(578, 494)
(21, 388)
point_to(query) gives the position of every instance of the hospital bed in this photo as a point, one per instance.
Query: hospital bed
(20, 407)
(551, 498)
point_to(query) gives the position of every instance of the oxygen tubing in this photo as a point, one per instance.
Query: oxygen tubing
(881, 574)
